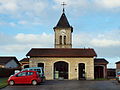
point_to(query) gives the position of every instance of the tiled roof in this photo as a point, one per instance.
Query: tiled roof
(61, 52)
(63, 22)
(5, 59)
(100, 60)
(25, 60)
(117, 62)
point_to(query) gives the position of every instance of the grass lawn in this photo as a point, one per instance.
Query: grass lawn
(3, 82)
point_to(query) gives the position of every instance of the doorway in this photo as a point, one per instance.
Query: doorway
(81, 71)
(99, 72)
(61, 70)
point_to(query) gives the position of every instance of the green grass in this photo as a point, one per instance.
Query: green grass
(3, 82)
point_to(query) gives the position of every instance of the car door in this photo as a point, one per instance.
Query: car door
(20, 78)
(29, 76)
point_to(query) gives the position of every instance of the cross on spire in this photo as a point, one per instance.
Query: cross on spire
(63, 4)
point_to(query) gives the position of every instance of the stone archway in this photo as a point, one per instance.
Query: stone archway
(61, 70)
(99, 72)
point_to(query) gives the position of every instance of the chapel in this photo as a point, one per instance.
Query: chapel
(63, 61)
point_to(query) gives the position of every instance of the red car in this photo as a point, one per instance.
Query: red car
(25, 77)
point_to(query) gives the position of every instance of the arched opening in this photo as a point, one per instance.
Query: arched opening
(99, 72)
(60, 39)
(41, 65)
(61, 70)
(81, 71)
(26, 66)
(64, 39)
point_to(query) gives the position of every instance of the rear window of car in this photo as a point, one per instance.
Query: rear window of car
(38, 70)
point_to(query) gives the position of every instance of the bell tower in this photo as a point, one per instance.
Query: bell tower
(63, 32)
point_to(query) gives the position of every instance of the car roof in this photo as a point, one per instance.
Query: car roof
(34, 68)
(28, 71)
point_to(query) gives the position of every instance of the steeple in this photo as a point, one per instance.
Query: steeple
(63, 21)
(63, 32)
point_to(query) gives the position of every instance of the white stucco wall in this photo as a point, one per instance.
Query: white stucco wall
(11, 64)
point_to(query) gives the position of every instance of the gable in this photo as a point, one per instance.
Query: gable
(11, 64)
(5, 59)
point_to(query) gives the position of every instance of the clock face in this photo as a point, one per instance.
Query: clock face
(63, 31)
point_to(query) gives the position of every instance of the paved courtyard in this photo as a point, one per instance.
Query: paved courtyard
(69, 85)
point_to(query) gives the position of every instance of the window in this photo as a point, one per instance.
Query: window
(38, 70)
(60, 39)
(21, 74)
(29, 73)
(64, 39)
(41, 65)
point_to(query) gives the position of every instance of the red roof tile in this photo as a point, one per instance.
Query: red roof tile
(25, 60)
(117, 62)
(100, 60)
(61, 52)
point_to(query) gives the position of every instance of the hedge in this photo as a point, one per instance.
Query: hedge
(6, 72)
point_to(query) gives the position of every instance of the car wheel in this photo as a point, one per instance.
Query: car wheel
(34, 82)
(11, 83)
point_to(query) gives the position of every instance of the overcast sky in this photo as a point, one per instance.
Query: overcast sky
(25, 24)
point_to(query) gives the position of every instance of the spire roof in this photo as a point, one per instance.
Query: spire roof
(63, 22)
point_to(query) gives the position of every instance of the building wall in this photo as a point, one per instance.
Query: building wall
(104, 69)
(68, 35)
(24, 64)
(11, 64)
(117, 67)
(73, 66)
(111, 73)
(2, 66)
